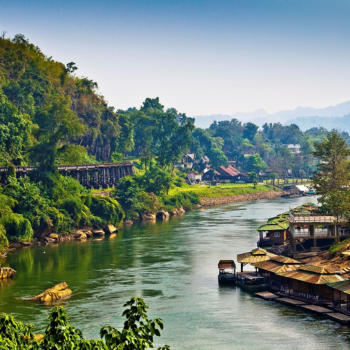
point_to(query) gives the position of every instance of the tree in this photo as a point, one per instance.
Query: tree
(152, 104)
(137, 334)
(249, 131)
(253, 177)
(333, 165)
(255, 163)
(218, 158)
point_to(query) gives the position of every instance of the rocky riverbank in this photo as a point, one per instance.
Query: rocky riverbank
(240, 198)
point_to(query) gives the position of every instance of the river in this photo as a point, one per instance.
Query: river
(173, 266)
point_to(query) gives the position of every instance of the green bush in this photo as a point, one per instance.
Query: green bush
(106, 208)
(138, 332)
(4, 243)
(76, 210)
(17, 227)
(187, 200)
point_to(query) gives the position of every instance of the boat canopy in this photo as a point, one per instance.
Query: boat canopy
(226, 264)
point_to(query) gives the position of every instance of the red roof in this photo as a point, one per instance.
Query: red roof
(230, 170)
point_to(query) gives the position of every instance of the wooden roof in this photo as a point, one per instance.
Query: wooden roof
(311, 277)
(226, 264)
(275, 266)
(343, 286)
(255, 256)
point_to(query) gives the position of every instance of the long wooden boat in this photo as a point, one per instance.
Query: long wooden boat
(227, 271)
(251, 282)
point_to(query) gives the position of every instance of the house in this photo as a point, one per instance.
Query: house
(309, 282)
(294, 148)
(193, 176)
(188, 160)
(226, 174)
(276, 231)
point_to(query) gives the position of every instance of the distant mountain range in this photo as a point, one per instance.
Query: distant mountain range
(305, 117)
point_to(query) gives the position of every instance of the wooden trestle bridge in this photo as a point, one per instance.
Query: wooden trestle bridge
(89, 175)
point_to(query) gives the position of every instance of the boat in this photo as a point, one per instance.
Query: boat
(227, 271)
(251, 282)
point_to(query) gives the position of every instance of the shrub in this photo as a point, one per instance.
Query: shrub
(4, 243)
(106, 208)
(187, 200)
(76, 210)
(17, 227)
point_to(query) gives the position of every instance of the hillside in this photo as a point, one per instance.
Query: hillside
(51, 104)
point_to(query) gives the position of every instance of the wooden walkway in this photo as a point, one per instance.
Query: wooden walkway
(339, 317)
(289, 301)
(267, 295)
(317, 309)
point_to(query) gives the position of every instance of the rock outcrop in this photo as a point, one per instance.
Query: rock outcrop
(181, 211)
(7, 272)
(98, 233)
(147, 216)
(111, 229)
(54, 236)
(57, 292)
(162, 215)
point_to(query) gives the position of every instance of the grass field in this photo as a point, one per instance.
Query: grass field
(223, 190)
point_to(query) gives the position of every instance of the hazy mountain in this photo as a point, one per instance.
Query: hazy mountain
(204, 121)
(261, 117)
(284, 116)
(339, 123)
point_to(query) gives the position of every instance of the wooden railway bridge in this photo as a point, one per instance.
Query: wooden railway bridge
(89, 175)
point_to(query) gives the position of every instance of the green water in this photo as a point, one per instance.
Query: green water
(173, 266)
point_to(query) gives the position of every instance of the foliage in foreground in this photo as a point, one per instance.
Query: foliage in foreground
(138, 332)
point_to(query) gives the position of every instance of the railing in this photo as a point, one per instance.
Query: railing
(314, 219)
(71, 167)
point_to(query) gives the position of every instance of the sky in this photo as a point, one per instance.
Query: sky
(200, 56)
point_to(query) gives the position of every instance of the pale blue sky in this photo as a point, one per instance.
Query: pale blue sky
(202, 57)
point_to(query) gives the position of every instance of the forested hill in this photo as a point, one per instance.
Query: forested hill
(43, 101)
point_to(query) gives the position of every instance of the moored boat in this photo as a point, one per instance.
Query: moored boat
(251, 282)
(227, 271)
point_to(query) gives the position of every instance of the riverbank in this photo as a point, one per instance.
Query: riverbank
(207, 201)
(209, 196)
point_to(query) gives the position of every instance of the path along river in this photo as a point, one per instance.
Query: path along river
(173, 266)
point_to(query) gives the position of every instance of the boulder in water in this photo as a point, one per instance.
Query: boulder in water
(162, 215)
(57, 292)
(98, 233)
(147, 216)
(7, 272)
(111, 229)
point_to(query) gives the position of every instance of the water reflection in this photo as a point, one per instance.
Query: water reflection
(173, 265)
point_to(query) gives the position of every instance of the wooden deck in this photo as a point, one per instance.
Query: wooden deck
(339, 317)
(289, 301)
(266, 295)
(317, 309)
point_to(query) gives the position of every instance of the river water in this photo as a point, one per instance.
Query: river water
(173, 266)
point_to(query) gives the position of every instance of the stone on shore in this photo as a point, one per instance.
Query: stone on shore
(162, 215)
(53, 236)
(80, 235)
(88, 233)
(173, 212)
(181, 211)
(128, 222)
(7, 272)
(148, 216)
(111, 229)
(57, 292)
(98, 233)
